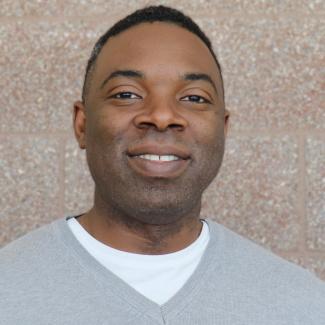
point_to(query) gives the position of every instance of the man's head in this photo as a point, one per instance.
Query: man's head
(153, 91)
(148, 14)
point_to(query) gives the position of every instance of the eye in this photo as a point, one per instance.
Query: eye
(125, 95)
(196, 99)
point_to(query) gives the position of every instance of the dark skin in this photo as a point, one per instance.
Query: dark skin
(157, 95)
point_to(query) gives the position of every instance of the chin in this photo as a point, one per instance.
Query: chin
(163, 212)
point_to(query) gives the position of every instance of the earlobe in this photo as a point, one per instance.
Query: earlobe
(79, 123)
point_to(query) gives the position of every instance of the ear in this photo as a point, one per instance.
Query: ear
(79, 123)
(227, 116)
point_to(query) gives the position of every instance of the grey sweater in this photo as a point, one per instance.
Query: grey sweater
(47, 277)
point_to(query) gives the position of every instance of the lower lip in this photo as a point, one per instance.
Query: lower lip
(158, 168)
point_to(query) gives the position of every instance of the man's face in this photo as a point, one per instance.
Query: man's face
(155, 94)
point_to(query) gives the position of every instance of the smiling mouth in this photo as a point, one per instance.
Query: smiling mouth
(162, 166)
(153, 157)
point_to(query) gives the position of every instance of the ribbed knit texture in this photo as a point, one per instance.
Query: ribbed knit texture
(47, 277)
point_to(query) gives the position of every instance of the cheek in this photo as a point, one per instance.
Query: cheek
(105, 128)
(210, 140)
(101, 136)
(208, 131)
(100, 126)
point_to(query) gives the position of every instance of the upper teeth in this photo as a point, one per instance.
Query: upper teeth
(157, 157)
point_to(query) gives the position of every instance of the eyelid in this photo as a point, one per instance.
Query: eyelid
(124, 88)
(204, 98)
(124, 92)
(199, 91)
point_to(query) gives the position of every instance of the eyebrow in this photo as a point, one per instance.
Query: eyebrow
(138, 74)
(200, 76)
(123, 73)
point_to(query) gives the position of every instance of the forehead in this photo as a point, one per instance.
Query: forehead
(157, 48)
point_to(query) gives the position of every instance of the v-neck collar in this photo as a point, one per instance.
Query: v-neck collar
(112, 283)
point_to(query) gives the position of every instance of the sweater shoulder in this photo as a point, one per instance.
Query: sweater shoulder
(250, 256)
(265, 275)
(29, 249)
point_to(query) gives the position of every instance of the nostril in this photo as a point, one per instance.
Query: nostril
(159, 127)
(160, 120)
(177, 127)
(145, 125)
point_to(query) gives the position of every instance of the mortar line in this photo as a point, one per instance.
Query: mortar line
(220, 14)
(302, 210)
(277, 131)
(232, 132)
(36, 134)
(63, 141)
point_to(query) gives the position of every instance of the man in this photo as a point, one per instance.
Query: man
(153, 122)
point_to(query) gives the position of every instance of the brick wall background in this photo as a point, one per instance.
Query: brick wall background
(271, 187)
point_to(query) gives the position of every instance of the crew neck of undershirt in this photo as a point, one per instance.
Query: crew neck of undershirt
(127, 257)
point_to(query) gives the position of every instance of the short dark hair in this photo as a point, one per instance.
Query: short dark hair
(146, 14)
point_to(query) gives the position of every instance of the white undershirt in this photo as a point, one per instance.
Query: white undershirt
(157, 277)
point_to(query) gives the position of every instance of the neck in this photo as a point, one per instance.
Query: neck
(132, 236)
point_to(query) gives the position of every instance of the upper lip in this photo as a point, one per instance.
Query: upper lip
(160, 150)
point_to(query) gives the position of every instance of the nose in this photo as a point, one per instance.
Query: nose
(160, 115)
